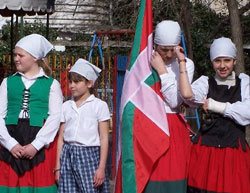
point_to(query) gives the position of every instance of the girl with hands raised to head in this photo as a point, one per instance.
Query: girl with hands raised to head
(169, 61)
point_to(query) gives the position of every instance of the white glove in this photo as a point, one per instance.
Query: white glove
(215, 106)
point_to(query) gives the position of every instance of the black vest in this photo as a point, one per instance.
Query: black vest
(217, 130)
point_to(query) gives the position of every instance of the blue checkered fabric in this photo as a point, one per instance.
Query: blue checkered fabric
(78, 166)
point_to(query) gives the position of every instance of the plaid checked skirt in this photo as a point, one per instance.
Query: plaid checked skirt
(78, 166)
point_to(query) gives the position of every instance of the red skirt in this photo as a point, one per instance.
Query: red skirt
(219, 170)
(38, 180)
(170, 172)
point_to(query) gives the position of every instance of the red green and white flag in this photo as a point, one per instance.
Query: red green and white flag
(144, 134)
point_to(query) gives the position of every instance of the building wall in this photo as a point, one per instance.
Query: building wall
(86, 17)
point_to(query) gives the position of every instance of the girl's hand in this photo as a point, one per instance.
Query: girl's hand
(179, 51)
(205, 105)
(17, 151)
(57, 176)
(214, 106)
(157, 63)
(99, 177)
(29, 151)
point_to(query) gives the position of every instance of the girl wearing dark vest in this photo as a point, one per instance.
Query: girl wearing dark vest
(220, 156)
(30, 102)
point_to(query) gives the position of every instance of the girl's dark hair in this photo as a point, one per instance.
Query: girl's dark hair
(75, 77)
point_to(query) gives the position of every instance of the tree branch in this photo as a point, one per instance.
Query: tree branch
(227, 19)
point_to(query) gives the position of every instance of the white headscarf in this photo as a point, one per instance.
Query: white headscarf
(36, 45)
(167, 33)
(86, 69)
(222, 47)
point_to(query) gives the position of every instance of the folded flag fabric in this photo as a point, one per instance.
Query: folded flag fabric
(144, 132)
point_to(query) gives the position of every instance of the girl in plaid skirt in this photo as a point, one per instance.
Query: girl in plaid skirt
(83, 137)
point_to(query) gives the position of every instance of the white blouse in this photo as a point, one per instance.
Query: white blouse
(49, 130)
(238, 111)
(170, 84)
(82, 123)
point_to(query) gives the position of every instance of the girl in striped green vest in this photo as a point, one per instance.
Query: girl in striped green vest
(30, 102)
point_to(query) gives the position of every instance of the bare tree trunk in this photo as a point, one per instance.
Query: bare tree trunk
(187, 26)
(237, 37)
(236, 34)
(225, 21)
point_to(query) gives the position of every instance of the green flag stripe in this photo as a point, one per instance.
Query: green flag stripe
(152, 79)
(51, 189)
(178, 186)
(137, 40)
(128, 160)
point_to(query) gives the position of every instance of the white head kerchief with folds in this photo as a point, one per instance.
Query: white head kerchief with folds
(36, 45)
(167, 33)
(222, 47)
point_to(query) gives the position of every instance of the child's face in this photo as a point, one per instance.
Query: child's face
(80, 88)
(166, 52)
(223, 66)
(23, 60)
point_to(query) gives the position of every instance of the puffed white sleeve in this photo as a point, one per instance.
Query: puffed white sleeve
(49, 130)
(103, 113)
(170, 86)
(200, 91)
(239, 111)
(63, 113)
(5, 139)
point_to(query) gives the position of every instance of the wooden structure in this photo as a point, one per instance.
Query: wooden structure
(19, 8)
(71, 17)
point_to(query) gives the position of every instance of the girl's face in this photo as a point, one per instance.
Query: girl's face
(80, 88)
(223, 66)
(166, 52)
(23, 60)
